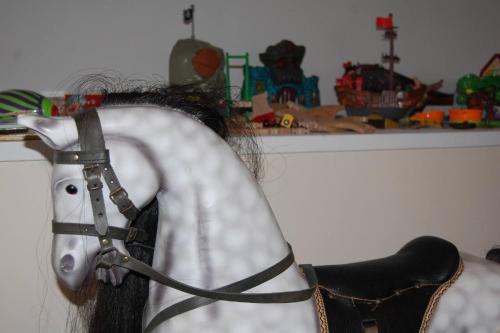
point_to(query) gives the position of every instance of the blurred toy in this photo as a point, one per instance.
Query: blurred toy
(471, 116)
(295, 116)
(15, 102)
(479, 93)
(366, 89)
(261, 111)
(188, 18)
(244, 103)
(74, 103)
(282, 76)
(429, 118)
(492, 67)
(287, 120)
(323, 119)
(193, 61)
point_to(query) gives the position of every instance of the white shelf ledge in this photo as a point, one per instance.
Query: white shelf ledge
(35, 150)
(382, 140)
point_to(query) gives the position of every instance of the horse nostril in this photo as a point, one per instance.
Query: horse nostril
(67, 263)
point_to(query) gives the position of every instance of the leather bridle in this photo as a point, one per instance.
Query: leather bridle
(96, 164)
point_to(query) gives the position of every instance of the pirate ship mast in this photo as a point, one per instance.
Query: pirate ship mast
(385, 23)
(366, 89)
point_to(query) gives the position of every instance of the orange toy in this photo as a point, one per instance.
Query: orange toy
(206, 62)
(429, 118)
(458, 116)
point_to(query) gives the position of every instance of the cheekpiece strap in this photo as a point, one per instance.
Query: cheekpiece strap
(92, 140)
(96, 163)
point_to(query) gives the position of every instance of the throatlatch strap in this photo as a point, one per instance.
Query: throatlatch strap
(231, 293)
(237, 287)
(280, 297)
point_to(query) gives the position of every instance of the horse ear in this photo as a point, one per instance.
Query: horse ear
(57, 132)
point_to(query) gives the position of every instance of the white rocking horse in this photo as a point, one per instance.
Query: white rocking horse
(217, 237)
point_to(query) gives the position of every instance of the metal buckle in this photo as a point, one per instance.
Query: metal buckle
(118, 195)
(92, 175)
(132, 235)
(90, 171)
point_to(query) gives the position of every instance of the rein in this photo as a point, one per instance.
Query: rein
(96, 164)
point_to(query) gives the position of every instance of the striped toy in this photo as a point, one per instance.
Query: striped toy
(14, 102)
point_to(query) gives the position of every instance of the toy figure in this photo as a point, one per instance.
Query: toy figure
(196, 62)
(15, 102)
(479, 93)
(282, 77)
(371, 89)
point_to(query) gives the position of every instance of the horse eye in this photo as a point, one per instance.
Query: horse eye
(71, 189)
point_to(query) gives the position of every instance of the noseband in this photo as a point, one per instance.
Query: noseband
(96, 165)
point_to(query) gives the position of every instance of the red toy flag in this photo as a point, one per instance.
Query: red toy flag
(384, 22)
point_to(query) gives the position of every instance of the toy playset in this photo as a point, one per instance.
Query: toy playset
(366, 89)
(282, 76)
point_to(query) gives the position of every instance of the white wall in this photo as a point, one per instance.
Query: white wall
(352, 206)
(45, 42)
(332, 207)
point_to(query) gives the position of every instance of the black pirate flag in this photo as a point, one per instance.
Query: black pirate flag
(188, 15)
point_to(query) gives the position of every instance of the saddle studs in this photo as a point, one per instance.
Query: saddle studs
(125, 259)
(76, 157)
(105, 242)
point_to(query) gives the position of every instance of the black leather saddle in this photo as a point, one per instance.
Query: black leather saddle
(396, 294)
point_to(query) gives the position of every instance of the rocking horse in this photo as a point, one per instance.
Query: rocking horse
(215, 260)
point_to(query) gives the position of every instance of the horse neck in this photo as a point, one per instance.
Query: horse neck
(215, 225)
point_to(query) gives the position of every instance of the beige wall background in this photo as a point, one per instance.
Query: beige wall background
(332, 207)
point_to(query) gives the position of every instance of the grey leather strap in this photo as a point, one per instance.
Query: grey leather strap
(280, 297)
(128, 235)
(92, 176)
(117, 193)
(95, 158)
(81, 157)
(237, 287)
(92, 141)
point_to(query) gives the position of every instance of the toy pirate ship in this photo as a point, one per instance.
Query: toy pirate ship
(367, 89)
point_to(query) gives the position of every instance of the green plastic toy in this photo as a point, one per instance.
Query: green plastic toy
(14, 102)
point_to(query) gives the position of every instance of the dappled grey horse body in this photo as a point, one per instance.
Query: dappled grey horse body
(215, 228)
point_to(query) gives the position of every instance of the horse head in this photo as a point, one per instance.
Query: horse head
(74, 256)
(211, 215)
